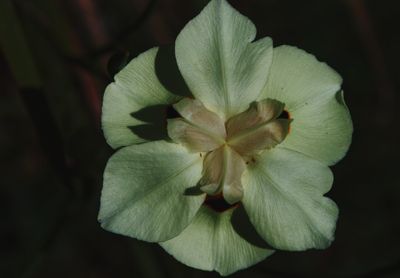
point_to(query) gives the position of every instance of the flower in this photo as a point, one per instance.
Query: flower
(260, 130)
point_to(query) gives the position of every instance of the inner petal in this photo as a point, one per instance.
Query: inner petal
(193, 111)
(259, 112)
(222, 172)
(263, 137)
(227, 145)
(200, 130)
(258, 128)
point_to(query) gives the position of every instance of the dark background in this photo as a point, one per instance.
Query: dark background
(53, 71)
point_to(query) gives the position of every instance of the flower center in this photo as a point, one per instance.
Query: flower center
(229, 146)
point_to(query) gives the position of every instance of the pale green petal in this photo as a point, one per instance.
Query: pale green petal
(220, 63)
(211, 243)
(136, 86)
(144, 191)
(283, 196)
(310, 89)
(297, 77)
(323, 130)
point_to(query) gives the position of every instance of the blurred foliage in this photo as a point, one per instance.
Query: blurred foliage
(52, 152)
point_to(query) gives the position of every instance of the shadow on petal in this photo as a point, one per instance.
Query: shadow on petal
(151, 114)
(168, 72)
(150, 132)
(340, 98)
(155, 127)
(154, 117)
(193, 191)
(242, 226)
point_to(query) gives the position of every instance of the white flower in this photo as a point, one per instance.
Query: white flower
(261, 130)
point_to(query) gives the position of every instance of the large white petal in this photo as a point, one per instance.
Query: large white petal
(220, 63)
(211, 243)
(323, 130)
(135, 87)
(283, 196)
(310, 89)
(144, 191)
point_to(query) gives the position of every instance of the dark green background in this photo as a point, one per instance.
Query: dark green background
(52, 151)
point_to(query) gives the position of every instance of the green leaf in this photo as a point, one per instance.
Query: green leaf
(219, 62)
(211, 243)
(136, 86)
(321, 126)
(283, 196)
(144, 191)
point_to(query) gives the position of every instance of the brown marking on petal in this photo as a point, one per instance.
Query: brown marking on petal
(286, 115)
(250, 160)
(218, 203)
